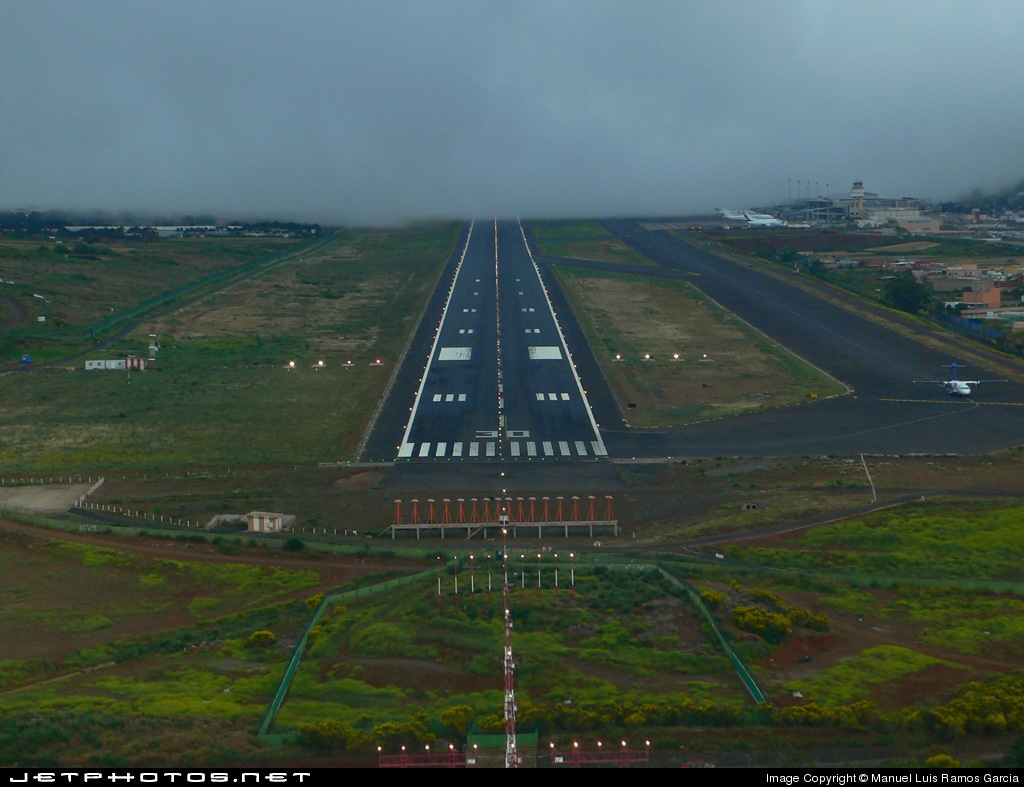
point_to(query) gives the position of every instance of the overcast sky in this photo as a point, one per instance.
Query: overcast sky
(380, 111)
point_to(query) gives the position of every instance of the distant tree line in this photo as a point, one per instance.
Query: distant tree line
(100, 226)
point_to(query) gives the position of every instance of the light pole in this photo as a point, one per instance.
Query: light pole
(439, 582)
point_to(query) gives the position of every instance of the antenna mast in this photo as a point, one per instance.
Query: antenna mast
(512, 759)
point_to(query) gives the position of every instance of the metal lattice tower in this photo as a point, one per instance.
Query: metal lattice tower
(512, 759)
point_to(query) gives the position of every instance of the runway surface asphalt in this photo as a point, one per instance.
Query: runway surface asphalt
(494, 380)
(471, 388)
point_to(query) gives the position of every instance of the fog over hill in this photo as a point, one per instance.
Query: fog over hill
(381, 112)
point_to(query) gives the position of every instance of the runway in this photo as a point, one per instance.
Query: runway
(499, 371)
(497, 381)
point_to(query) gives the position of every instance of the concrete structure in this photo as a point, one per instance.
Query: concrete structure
(856, 209)
(949, 283)
(920, 225)
(988, 296)
(267, 522)
(119, 364)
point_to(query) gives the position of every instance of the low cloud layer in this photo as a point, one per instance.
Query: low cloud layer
(373, 112)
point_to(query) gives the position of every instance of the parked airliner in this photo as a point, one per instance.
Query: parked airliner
(752, 218)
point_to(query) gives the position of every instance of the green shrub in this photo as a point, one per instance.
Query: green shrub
(262, 638)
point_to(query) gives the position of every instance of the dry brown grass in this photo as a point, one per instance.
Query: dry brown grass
(601, 250)
(290, 301)
(724, 366)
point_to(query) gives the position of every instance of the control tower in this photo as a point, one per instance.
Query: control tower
(857, 195)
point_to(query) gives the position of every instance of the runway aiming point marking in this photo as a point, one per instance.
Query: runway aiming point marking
(539, 353)
(455, 354)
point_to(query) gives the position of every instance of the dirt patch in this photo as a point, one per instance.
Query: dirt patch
(416, 675)
(900, 248)
(41, 499)
(12, 312)
(364, 479)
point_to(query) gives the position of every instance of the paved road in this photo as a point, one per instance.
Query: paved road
(495, 379)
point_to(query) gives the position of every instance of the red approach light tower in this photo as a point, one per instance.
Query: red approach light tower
(512, 758)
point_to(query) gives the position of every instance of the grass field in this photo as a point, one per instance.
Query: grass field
(222, 392)
(723, 367)
(145, 654)
(77, 290)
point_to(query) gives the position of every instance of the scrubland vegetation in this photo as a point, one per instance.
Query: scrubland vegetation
(915, 661)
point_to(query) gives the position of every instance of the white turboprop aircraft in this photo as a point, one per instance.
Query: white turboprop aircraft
(955, 386)
(754, 219)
